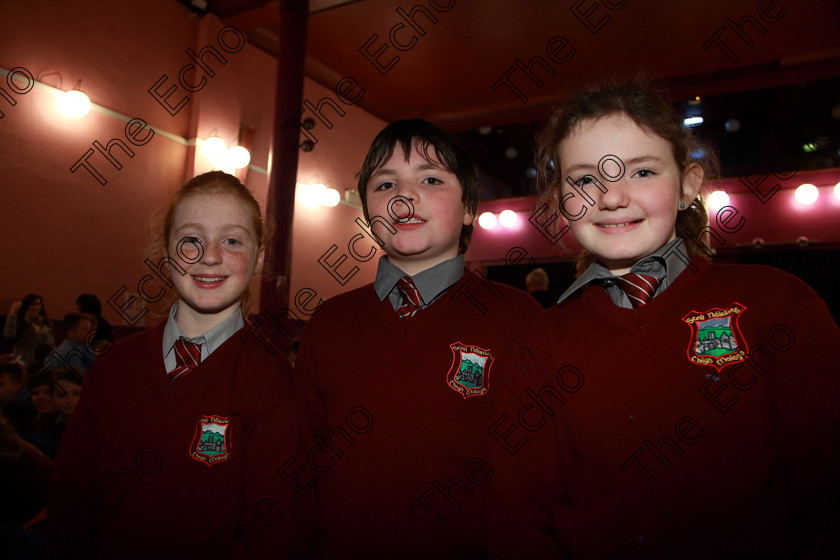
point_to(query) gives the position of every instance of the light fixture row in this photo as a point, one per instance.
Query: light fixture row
(227, 159)
(804, 194)
(313, 196)
(507, 218)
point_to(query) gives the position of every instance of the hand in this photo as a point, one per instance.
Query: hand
(14, 308)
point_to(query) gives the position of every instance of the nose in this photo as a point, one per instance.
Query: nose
(403, 204)
(212, 254)
(617, 196)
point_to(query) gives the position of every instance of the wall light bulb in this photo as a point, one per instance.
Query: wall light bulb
(487, 220)
(806, 194)
(73, 104)
(508, 218)
(330, 197)
(717, 200)
(239, 157)
(214, 149)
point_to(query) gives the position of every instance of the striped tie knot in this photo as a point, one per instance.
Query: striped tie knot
(411, 301)
(639, 288)
(187, 357)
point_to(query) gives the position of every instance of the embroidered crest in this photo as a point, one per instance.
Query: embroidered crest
(716, 339)
(211, 443)
(470, 370)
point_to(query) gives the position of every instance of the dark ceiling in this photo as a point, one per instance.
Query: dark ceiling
(462, 65)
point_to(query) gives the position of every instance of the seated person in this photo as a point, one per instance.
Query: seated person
(28, 325)
(40, 429)
(74, 352)
(90, 304)
(65, 393)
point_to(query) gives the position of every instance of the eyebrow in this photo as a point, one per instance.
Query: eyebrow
(631, 161)
(423, 167)
(223, 227)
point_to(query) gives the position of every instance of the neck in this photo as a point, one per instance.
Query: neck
(193, 323)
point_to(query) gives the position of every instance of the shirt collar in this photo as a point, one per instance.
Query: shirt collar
(210, 341)
(668, 262)
(430, 282)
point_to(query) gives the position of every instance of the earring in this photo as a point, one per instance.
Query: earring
(682, 205)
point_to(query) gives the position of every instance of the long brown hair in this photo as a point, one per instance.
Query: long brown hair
(638, 100)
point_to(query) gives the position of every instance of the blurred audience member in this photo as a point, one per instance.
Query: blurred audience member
(90, 304)
(65, 392)
(73, 352)
(28, 325)
(536, 283)
(42, 429)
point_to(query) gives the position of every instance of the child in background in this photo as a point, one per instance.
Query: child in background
(398, 376)
(65, 393)
(175, 439)
(704, 426)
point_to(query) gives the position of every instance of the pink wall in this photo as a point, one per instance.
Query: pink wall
(71, 234)
(778, 220)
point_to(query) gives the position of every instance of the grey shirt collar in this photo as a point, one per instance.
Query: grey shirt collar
(210, 341)
(431, 283)
(666, 264)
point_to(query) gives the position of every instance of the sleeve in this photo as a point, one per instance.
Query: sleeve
(527, 489)
(804, 340)
(11, 326)
(73, 519)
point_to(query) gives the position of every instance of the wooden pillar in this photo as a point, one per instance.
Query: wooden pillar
(274, 289)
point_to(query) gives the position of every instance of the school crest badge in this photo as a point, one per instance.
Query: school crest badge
(211, 442)
(716, 339)
(469, 373)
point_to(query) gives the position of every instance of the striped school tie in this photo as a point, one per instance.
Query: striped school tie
(410, 298)
(187, 357)
(639, 288)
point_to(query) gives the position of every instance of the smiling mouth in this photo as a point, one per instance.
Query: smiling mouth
(209, 279)
(411, 221)
(622, 224)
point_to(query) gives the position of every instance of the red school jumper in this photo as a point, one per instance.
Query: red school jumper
(151, 468)
(399, 462)
(702, 425)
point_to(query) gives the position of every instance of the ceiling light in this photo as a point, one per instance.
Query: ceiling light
(693, 121)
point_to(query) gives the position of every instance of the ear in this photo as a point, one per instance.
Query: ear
(691, 183)
(469, 216)
(258, 264)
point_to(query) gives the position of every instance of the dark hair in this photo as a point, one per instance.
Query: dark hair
(447, 150)
(212, 182)
(640, 102)
(66, 374)
(89, 303)
(72, 320)
(27, 301)
(41, 378)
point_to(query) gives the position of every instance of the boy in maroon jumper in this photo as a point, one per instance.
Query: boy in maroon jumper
(398, 376)
(699, 402)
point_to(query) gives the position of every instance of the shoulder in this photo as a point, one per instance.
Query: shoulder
(134, 349)
(765, 280)
(347, 302)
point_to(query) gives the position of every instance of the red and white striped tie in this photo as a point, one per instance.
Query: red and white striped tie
(638, 287)
(411, 301)
(187, 357)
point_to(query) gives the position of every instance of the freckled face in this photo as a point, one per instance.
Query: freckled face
(420, 200)
(214, 240)
(637, 215)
